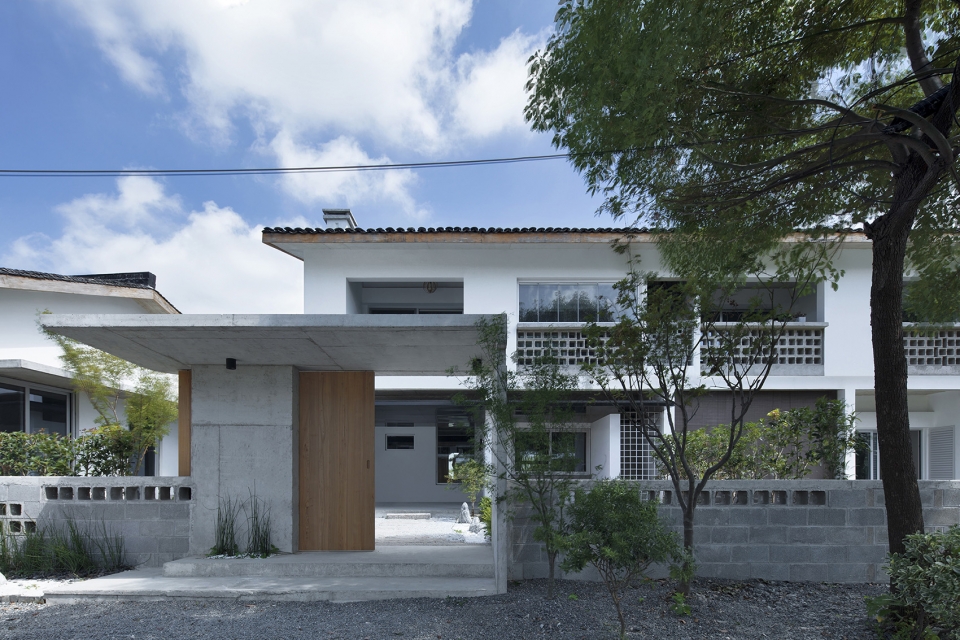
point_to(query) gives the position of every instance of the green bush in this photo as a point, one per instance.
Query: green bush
(613, 529)
(104, 451)
(41, 454)
(925, 583)
(486, 515)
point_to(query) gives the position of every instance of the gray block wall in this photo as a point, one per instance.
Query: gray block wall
(796, 530)
(151, 514)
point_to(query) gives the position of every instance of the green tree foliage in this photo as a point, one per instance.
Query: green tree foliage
(734, 123)
(786, 445)
(620, 534)
(42, 454)
(472, 477)
(122, 394)
(527, 414)
(646, 359)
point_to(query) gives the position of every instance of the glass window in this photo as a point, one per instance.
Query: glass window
(607, 310)
(587, 302)
(400, 442)
(569, 451)
(560, 452)
(455, 443)
(528, 303)
(11, 408)
(549, 295)
(568, 300)
(48, 412)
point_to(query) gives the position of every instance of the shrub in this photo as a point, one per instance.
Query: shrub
(61, 548)
(925, 582)
(104, 451)
(43, 454)
(613, 529)
(486, 515)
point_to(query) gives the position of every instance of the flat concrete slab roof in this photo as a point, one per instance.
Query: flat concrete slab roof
(386, 344)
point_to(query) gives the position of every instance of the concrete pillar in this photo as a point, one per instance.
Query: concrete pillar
(244, 439)
(849, 398)
(500, 534)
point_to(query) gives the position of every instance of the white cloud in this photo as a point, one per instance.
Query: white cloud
(208, 261)
(490, 97)
(315, 77)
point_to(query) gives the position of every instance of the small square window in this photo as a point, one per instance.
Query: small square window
(399, 442)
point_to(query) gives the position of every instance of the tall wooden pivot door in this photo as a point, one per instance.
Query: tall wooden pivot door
(336, 461)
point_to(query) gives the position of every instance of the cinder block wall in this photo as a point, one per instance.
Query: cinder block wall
(796, 530)
(152, 514)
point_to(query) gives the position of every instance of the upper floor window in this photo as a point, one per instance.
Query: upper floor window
(560, 302)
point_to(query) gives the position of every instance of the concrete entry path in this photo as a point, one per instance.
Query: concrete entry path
(337, 576)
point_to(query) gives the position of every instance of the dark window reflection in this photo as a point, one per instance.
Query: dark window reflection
(48, 412)
(11, 408)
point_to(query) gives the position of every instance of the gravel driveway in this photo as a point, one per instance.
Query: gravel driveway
(720, 609)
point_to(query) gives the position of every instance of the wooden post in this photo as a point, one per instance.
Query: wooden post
(183, 420)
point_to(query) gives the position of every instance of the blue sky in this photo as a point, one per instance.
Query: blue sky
(92, 84)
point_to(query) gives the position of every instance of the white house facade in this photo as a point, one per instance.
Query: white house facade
(353, 271)
(35, 392)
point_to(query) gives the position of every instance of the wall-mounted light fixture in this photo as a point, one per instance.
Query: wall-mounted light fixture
(232, 364)
(429, 287)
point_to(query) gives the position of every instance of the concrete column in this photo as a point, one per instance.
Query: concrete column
(244, 440)
(500, 534)
(849, 397)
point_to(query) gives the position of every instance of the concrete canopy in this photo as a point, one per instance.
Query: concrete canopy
(385, 344)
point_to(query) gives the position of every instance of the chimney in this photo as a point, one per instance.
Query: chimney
(339, 219)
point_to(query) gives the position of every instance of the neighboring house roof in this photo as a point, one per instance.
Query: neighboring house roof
(137, 286)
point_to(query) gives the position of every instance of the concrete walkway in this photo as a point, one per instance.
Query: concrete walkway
(345, 576)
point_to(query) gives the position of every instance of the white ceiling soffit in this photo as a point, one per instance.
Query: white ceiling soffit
(386, 344)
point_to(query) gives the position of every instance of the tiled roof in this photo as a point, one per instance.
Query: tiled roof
(38, 275)
(426, 230)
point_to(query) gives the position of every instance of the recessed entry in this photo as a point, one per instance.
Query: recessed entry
(399, 442)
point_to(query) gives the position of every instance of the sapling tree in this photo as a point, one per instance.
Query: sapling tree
(528, 413)
(646, 360)
(472, 477)
(122, 394)
(618, 533)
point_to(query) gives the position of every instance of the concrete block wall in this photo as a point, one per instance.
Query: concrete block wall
(152, 514)
(795, 530)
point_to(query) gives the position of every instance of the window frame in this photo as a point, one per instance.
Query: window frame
(567, 282)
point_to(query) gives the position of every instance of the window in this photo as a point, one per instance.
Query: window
(557, 451)
(636, 458)
(400, 442)
(868, 457)
(578, 302)
(32, 410)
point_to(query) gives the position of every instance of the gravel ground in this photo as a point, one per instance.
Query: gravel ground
(719, 609)
(436, 530)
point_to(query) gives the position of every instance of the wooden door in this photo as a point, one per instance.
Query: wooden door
(336, 461)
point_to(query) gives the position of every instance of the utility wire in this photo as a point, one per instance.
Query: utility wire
(90, 173)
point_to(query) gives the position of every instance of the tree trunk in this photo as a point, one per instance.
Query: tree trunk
(688, 545)
(890, 234)
(551, 562)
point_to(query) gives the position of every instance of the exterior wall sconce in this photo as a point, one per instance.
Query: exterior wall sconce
(232, 364)
(429, 287)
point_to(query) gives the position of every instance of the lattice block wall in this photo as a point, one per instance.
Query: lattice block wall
(636, 459)
(568, 347)
(932, 348)
(797, 346)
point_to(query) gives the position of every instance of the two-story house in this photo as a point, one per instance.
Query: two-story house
(532, 275)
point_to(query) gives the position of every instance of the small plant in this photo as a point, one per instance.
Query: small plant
(620, 534)
(61, 548)
(258, 527)
(925, 586)
(225, 531)
(486, 516)
(679, 605)
(471, 477)
(573, 596)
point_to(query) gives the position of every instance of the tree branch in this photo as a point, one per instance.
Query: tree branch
(913, 40)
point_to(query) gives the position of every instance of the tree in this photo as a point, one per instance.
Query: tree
(667, 328)
(121, 393)
(528, 413)
(620, 534)
(746, 121)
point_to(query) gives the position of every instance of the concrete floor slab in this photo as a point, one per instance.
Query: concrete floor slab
(151, 584)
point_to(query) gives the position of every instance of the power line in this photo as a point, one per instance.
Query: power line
(99, 173)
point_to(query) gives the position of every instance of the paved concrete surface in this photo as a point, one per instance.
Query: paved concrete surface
(339, 576)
